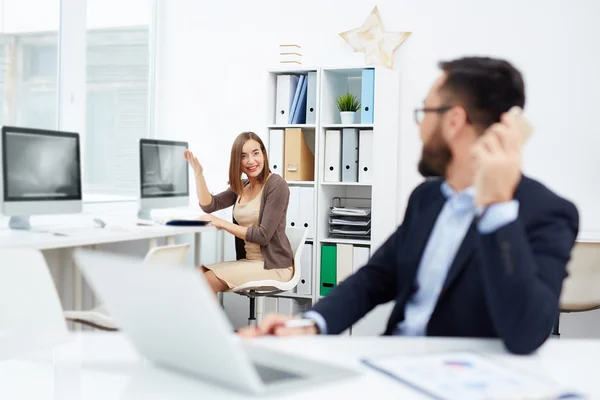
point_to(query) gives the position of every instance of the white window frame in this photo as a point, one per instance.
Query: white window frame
(71, 87)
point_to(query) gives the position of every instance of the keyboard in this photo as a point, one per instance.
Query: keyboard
(271, 375)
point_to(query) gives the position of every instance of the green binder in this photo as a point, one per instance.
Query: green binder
(328, 268)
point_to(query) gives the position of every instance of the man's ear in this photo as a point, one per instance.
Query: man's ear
(456, 119)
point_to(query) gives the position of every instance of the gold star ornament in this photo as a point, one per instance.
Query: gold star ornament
(377, 44)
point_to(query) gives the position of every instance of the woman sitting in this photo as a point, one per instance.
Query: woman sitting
(260, 203)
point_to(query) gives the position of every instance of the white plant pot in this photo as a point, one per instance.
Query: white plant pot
(348, 117)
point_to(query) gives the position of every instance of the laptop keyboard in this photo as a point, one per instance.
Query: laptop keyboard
(272, 375)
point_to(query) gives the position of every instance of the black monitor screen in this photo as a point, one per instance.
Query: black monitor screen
(164, 170)
(40, 165)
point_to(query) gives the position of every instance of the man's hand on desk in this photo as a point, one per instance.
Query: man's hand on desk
(275, 324)
(214, 221)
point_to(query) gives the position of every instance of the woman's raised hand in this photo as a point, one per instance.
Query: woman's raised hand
(193, 161)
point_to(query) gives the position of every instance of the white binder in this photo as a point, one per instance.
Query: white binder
(276, 150)
(286, 88)
(293, 211)
(307, 210)
(365, 156)
(350, 155)
(345, 263)
(311, 98)
(361, 257)
(333, 161)
(305, 284)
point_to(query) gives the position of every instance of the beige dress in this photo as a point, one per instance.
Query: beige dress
(252, 268)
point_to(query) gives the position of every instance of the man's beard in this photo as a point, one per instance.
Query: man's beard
(435, 156)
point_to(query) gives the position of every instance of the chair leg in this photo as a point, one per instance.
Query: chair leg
(260, 309)
(556, 328)
(252, 316)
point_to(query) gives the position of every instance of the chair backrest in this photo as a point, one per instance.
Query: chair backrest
(297, 238)
(172, 254)
(30, 307)
(580, 289)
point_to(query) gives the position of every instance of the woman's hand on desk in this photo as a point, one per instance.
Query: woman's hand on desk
(214, 221)
(193, 161)
(275, 324)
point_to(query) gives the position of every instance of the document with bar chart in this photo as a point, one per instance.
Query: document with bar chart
(466, 376)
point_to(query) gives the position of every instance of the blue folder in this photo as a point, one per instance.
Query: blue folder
(367, 96)
(299, 116)
(296, 100)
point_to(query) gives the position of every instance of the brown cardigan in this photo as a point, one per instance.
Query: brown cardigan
(270, 234)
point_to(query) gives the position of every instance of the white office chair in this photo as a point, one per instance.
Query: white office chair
(581, 289)
(99, 318)
(30, 308)
(256, 291)
(173, 254)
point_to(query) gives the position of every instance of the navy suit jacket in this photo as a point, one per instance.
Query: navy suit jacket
(505, 284)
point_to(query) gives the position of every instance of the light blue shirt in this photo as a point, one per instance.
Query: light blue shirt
(448, 234)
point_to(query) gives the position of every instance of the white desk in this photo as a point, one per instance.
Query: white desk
(124, 231)
(104, 366)
(119, 228)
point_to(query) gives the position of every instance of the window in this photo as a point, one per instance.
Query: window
(117, 108)
(28, 63)
(118, 59)
(3, 77)
(117, 93)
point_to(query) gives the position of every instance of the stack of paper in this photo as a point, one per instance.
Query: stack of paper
(354, 231)
(466, 376)
(356, 211)
(290, 54)
(352, 222)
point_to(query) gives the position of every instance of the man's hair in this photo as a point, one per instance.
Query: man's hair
(485, 87)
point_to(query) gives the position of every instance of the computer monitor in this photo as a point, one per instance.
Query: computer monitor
(41, 174)
(164, 175)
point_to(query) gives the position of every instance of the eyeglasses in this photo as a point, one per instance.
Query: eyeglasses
(420, 112)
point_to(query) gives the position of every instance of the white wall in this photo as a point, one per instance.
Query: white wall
(213, 69)
(214, 57)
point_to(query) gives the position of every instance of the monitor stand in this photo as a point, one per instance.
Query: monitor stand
(144, 214)
(19, 223)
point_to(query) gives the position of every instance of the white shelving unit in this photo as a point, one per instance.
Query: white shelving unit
(309, 131)
(382, 190)
(341, 126)
(345, 184)
(346, 241)
(301, 183)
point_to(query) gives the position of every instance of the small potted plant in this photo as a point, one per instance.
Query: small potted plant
(348, 104)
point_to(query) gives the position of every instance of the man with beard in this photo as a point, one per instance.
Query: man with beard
(483, 249)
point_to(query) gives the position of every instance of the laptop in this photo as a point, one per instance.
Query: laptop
(172, 317)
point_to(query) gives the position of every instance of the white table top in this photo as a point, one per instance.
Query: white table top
(104, 366)
(118, 229)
